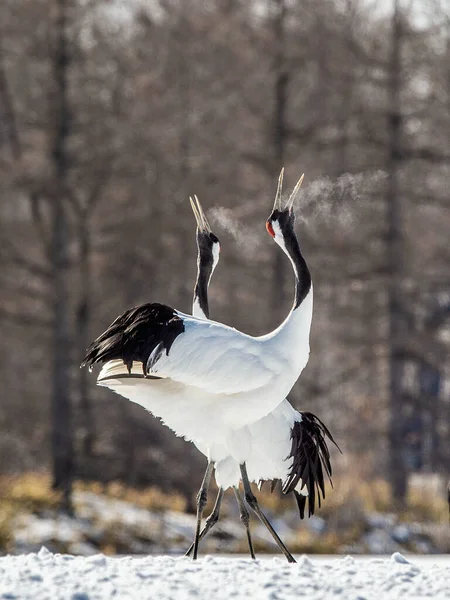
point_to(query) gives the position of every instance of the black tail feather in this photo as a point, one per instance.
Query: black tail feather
(311, 462)
(301, 503)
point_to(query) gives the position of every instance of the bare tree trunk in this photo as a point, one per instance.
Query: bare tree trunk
(7, 114)
(397, 321)
(346, 85)
(279, 134)
(185, 137)
(82, 335)
(62, 434)
(128, 447)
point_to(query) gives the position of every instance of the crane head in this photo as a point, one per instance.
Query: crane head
(207, 242)
(281, 220)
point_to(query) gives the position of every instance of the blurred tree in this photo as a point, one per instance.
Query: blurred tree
(398, 323)
(279, 127)
(62, 428)
(109, 121)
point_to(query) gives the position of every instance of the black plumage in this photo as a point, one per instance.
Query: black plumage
(140, 334)
(286, 221)
(205, 262)
(311, 461)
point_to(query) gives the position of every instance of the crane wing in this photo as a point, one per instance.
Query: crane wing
(153, 340)
(216, 359)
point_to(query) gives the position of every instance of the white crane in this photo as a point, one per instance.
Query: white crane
(206, 381)
(286, 445)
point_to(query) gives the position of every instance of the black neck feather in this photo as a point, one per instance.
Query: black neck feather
(302, 274)
(201, 289)
(205, 262)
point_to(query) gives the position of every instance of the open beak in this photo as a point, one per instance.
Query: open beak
(294, 193)
(202, 222)
(290, 202)
(277, 203)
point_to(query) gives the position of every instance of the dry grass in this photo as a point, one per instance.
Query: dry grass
(423, 506)
(29, 492)
(6, 516)
(344, 508)
(151, 498)
(346, 494)
(32, 492)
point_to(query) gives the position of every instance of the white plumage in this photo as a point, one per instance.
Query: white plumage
(215, 381)
(214, 385)
(221, 370)
(266, 441)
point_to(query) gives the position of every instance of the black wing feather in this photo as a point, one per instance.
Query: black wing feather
(138, 334)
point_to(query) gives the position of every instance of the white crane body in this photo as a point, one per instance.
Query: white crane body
(217, 381)
(222, 389)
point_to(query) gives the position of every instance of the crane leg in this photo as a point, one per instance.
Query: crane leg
(245, 518)
(251, 500)
(202, 497)
(210, 521)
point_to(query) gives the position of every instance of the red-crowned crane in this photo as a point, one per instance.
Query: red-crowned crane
(286, 445)
(206, 381)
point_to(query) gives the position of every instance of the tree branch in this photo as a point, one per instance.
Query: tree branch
(16, 258)
(23, 319)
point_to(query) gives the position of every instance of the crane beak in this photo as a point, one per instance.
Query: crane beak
(277, 203)
(202, 222)
(293, 195)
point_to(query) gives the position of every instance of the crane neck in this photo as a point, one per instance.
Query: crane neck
(200, 306)
(303, 282)
(292, 336)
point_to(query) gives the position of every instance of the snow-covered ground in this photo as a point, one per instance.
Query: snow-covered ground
(43, 575)
(118, 526)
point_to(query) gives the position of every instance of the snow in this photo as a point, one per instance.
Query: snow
(44, 575)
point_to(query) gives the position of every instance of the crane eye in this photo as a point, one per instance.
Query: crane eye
(270, 229)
